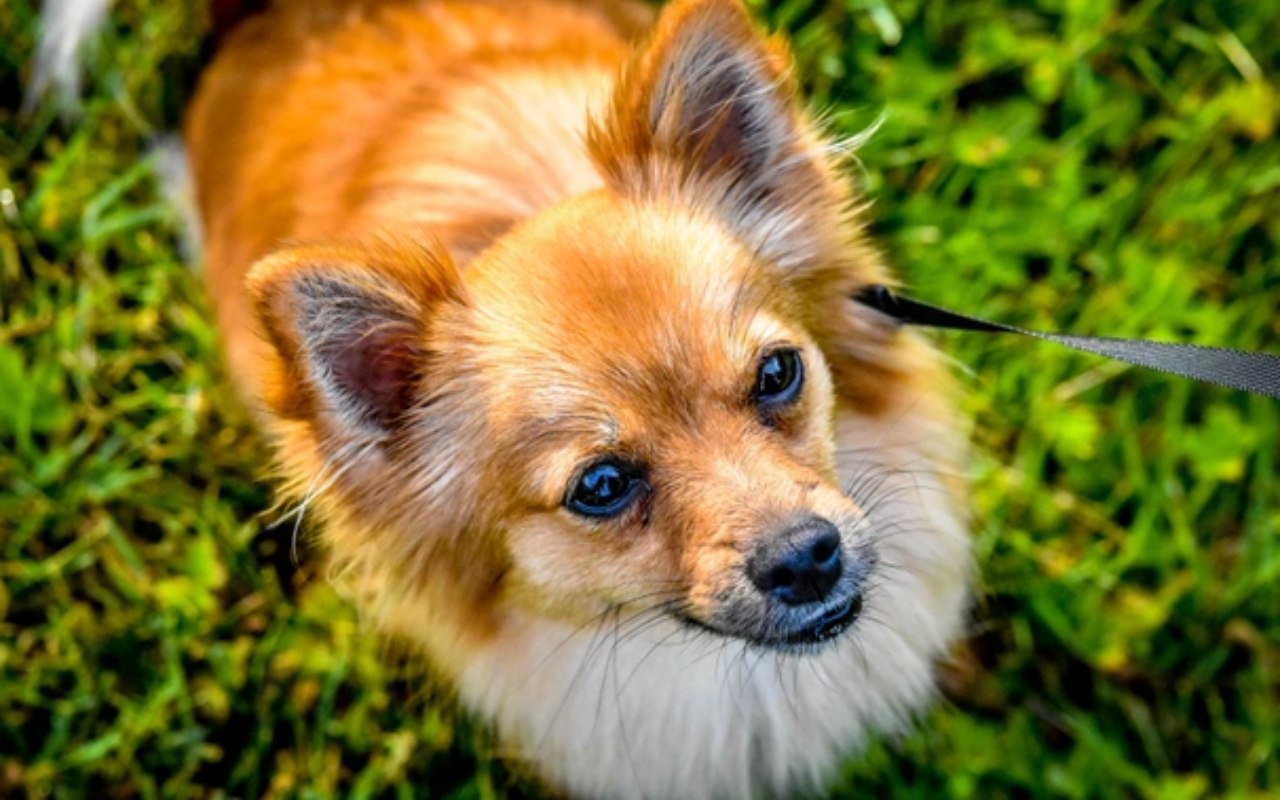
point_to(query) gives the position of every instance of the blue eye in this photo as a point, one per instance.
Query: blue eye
(605, 489)
(778, 380)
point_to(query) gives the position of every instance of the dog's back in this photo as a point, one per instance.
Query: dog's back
(325, 118)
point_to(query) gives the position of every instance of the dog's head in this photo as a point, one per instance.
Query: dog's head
(642, 397)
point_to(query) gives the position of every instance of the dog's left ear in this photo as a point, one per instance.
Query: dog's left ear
(708, 112)
(707, 95)
(708, 107)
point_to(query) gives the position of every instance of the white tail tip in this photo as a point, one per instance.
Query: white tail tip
(66, 28)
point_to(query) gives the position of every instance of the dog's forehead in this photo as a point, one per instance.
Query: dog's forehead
(601, 302)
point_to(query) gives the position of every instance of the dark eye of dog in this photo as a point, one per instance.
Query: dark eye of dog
(605, 489)
(778, 380)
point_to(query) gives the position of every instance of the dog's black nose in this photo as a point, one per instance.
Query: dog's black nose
(800, 565)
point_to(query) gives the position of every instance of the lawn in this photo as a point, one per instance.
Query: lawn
(1097, 166)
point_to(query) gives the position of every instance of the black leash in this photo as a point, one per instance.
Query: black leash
(1258, 373)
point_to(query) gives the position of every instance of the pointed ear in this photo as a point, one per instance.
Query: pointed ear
(349, 326)
(708, 112)
(707, 95)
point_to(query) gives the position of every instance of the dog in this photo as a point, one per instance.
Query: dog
(546, 309)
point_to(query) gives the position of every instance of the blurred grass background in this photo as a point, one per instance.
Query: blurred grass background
(1099, 166)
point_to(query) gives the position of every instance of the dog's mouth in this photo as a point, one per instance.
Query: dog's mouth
(830, 621)
(809, 630)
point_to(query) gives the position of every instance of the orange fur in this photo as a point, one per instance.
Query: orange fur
(467, 288)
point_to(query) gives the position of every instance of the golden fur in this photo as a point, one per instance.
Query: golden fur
(446, 286)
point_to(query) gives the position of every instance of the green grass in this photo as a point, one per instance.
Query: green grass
(1103, 167)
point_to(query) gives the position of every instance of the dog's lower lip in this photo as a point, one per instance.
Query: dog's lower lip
(830, 624)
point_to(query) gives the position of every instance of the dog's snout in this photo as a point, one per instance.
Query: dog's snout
(801, 564)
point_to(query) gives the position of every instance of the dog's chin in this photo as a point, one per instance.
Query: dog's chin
(804, 632)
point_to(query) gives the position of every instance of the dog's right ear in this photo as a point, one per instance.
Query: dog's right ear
(350, 328)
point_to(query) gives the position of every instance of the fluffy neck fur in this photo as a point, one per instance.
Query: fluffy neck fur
(603, 705)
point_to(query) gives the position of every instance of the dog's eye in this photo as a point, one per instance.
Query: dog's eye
(605, 489)
(778, 380)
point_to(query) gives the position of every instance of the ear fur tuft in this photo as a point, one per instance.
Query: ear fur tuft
(708, 112)
(707, 94)
(349, 325)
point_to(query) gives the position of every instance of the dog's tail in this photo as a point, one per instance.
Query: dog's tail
(68, 31)
(69, 28)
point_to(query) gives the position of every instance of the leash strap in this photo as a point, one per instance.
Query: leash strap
(1258, 373)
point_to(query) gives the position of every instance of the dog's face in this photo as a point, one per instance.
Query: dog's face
(666, 420)
(631, 400)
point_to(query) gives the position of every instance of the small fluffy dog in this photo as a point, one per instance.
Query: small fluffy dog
(546, 307)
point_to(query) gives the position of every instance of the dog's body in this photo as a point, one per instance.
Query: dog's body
(326, 119)
(495, 301)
